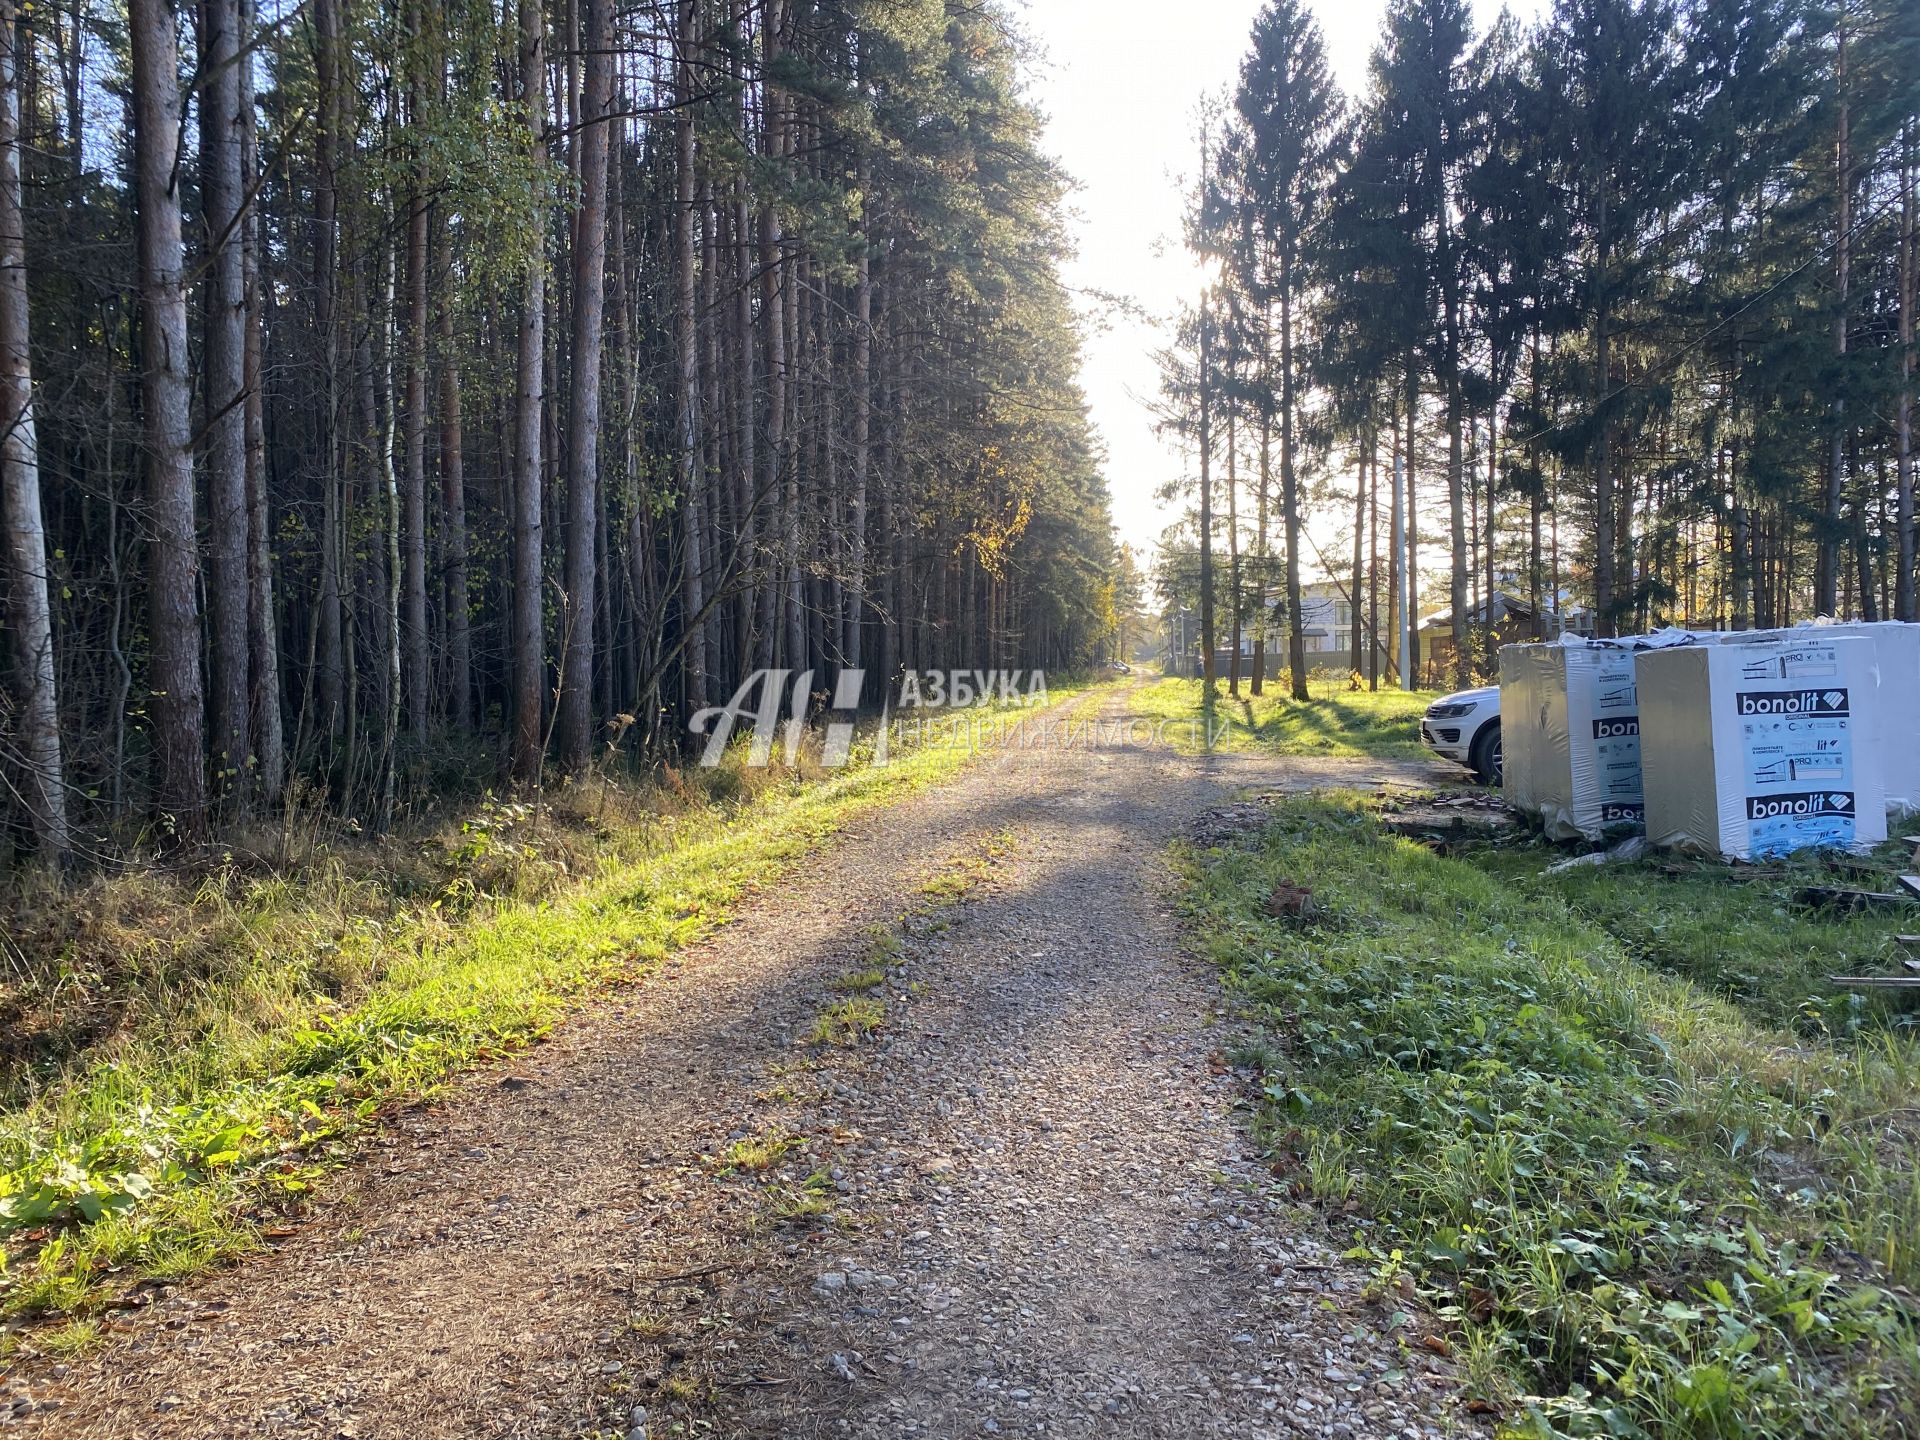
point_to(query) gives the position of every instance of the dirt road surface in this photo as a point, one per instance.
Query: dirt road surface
(1038, 1212)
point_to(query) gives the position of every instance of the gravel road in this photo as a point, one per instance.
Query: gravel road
(1041, 1215)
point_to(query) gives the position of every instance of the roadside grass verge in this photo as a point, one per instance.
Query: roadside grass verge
(1737, 931)
(1384, 724)
(1639, 1209)
(202, 1049)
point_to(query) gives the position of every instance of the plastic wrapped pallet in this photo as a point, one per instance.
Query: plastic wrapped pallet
(1570, 733)
(1764, 746)
(1896, 653)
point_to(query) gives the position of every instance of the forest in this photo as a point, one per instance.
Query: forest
(1612, 312)
(398, 394)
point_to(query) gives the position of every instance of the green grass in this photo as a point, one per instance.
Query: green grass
(265, 1021)
(809, 1200)
(848, 1021)
(1336, 721)
(1735, 930)
(757, 1153)
(1641, 1208)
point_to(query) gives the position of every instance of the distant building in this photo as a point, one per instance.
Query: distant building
(1512, 621)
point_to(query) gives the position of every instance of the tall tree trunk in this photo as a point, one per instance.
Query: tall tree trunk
(1397, 619)
(575, 725)
(177, 697)
(1206, 502)
(1826, 585)
(1492, 653)
(1408, 550)
(453, 505)
(1903, 584)
(1373, 557)
(1290, 488)
(413, 519)
(327, 676)
(773, 317)
(529, 653)
(748, 511)
(862, 383)
(224, 355)
(1233, 546)
(390, 489)
(1604, 599)
(1354, 643)
(1536, 502)
(794, 603)
(263, 636)
(686, 378)
(713, 431)
(29, 612)
(1456, 463)
(1263, 560)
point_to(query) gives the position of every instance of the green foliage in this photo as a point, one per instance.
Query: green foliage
(1621, 1192)
(848, 1021)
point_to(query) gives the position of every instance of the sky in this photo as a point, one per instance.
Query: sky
(1120, 82)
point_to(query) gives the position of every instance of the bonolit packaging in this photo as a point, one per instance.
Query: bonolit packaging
(1762, 747)
(1896, 657)
(1570, 730)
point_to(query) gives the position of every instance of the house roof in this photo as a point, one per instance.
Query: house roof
(1510, 606)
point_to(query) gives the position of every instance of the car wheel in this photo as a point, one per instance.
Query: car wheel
(1488, 758)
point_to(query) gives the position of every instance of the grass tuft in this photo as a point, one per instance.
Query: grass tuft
(848, 1022)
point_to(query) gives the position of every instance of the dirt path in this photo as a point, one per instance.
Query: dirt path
(1041, 1214)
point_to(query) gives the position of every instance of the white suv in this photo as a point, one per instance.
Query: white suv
(1465, 727)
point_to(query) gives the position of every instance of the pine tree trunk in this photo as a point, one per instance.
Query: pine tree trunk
(1602, 456)
(177, 696)
(1354, 642)
(1536, 502)
(1206, 503)
(713, 433)
(748, 505)
(1397, 625)
(1290, 488)
(1408, 549)
(413, 520)
(793, 601)
(29, 612)
(1492, 654)
(693, 656)
(389, 476)
(1826, 585)
(862, 383)
(773, 317)
(1456, 462)
(1374, 646)
(453, 505)
(529, 651)
(575, 726)
(263, 638)
(224, 359)
(1263, 566)
(1233, 553)
(1903, 584)
(327, 678)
